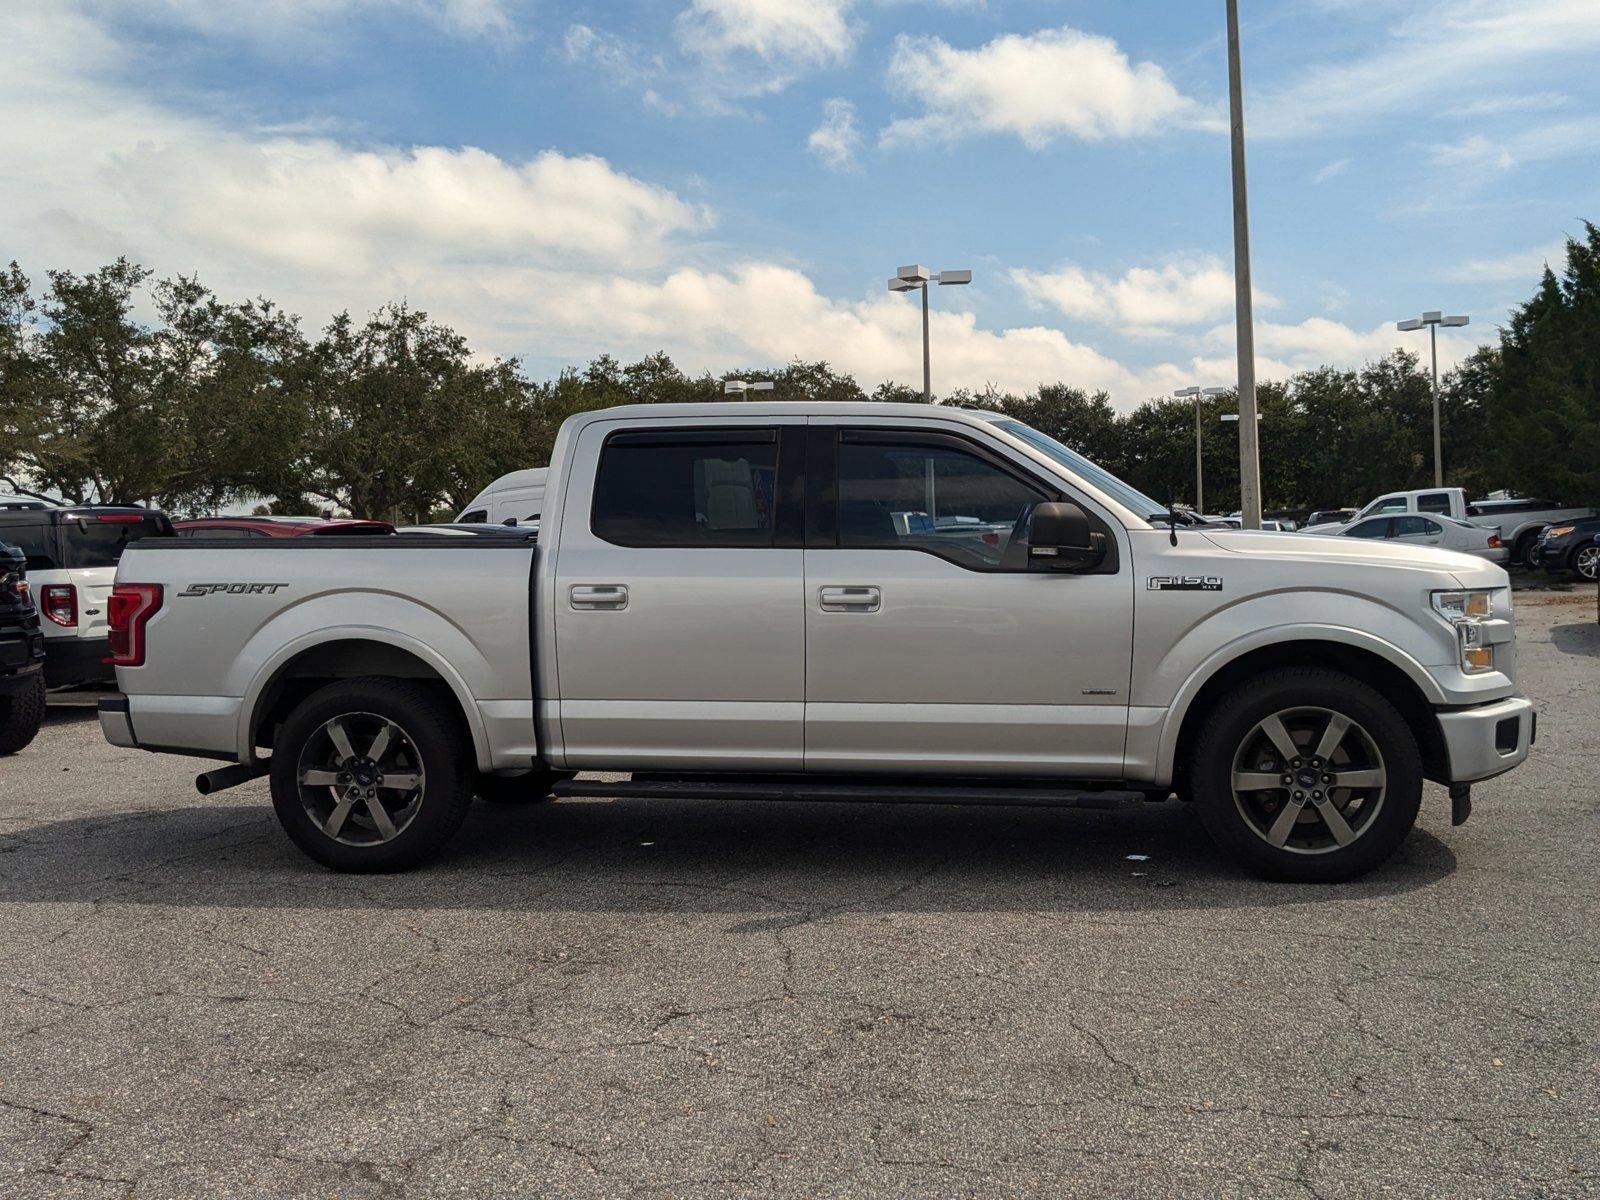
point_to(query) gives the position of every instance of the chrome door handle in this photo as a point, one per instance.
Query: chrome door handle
(850, 599)
(610, 596)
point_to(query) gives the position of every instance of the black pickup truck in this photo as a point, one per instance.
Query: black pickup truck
(21, 656)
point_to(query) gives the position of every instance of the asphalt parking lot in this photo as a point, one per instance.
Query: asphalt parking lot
(624, 999)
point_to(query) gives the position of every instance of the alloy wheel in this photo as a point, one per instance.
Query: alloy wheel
(1586, 562)
(1308, 780)
(361, 797)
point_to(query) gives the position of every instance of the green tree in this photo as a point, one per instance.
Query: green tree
(383, 400)
(1544, 403)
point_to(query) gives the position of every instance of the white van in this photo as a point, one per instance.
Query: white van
(517, 498)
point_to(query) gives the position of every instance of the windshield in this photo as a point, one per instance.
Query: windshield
(1129, 497)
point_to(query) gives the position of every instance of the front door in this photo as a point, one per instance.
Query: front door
(680, 633)
(930, 645)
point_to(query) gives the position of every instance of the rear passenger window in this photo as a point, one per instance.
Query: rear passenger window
(1370, 529)
(1414, 527)
(1434, 502)
(700, 488)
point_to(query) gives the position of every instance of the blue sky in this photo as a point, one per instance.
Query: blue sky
(733, 180)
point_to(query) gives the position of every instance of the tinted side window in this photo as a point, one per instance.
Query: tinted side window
(36, 539)
(1370, 529)
(478, 516)
(1396, 504)
(1414, 527)
(1434, 502)
(933, 498)
(687, 489)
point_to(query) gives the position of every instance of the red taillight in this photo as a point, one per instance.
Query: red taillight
(22, 589)
(991, 539)
(120, 518)
(131, 607)
(1494, 541)
(59, 603)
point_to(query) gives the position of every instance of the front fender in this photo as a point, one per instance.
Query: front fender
(1172, 723)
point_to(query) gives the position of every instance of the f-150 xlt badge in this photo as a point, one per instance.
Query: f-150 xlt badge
(1185, 583)
(231, 589)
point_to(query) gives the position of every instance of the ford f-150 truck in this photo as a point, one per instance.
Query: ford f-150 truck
(827, 602)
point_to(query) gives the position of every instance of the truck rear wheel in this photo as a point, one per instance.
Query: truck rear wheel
(21, 715)
(372, 774)
(1307, 775)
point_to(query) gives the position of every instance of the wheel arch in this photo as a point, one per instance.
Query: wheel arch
(1398, 677)
(309, 663)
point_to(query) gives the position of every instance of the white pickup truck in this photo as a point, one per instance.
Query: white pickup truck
(827, 602)
(1518, 522)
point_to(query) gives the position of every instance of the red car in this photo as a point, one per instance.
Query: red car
(276, 527)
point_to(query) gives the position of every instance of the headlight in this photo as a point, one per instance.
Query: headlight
(1558, 531)
(1467, 611)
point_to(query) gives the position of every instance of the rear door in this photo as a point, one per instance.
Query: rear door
(680, 630)
(930, 647)
(1417, 531)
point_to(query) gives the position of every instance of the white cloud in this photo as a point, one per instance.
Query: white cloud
(802, 32)
(1484, 155)
(275, 19)
(96, 169)
(1181, 292)
(1451, 48)
(1039, 87)
(1283, 349)
(837, 139)
(1525, 265)
(1332, 171)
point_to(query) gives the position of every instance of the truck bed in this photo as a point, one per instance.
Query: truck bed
(237, 615)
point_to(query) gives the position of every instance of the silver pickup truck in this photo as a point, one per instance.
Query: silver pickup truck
(827, 602)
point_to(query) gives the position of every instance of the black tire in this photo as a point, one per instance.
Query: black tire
(530, 787)
(1522, 551)
(21, 715)
(1380, 729)
(431, 733)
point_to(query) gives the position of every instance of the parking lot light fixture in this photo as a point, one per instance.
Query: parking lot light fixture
(739, 387)
(1199, 457)
(1432, 320)
(917, 278)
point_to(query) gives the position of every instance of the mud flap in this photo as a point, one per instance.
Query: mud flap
(1460, 803)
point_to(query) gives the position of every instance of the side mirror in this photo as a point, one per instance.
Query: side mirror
(1059, 539)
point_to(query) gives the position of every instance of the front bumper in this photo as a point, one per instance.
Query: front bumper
(21, 655)
(1487, 739)
(71, 661)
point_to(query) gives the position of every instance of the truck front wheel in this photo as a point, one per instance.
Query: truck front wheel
(372, 774)
(1307, 775)
(21, 715)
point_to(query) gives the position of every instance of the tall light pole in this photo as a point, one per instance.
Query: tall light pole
(910, 279)
(1199, 455)
(738, 387)
(1433, 320)
(1249, 442)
